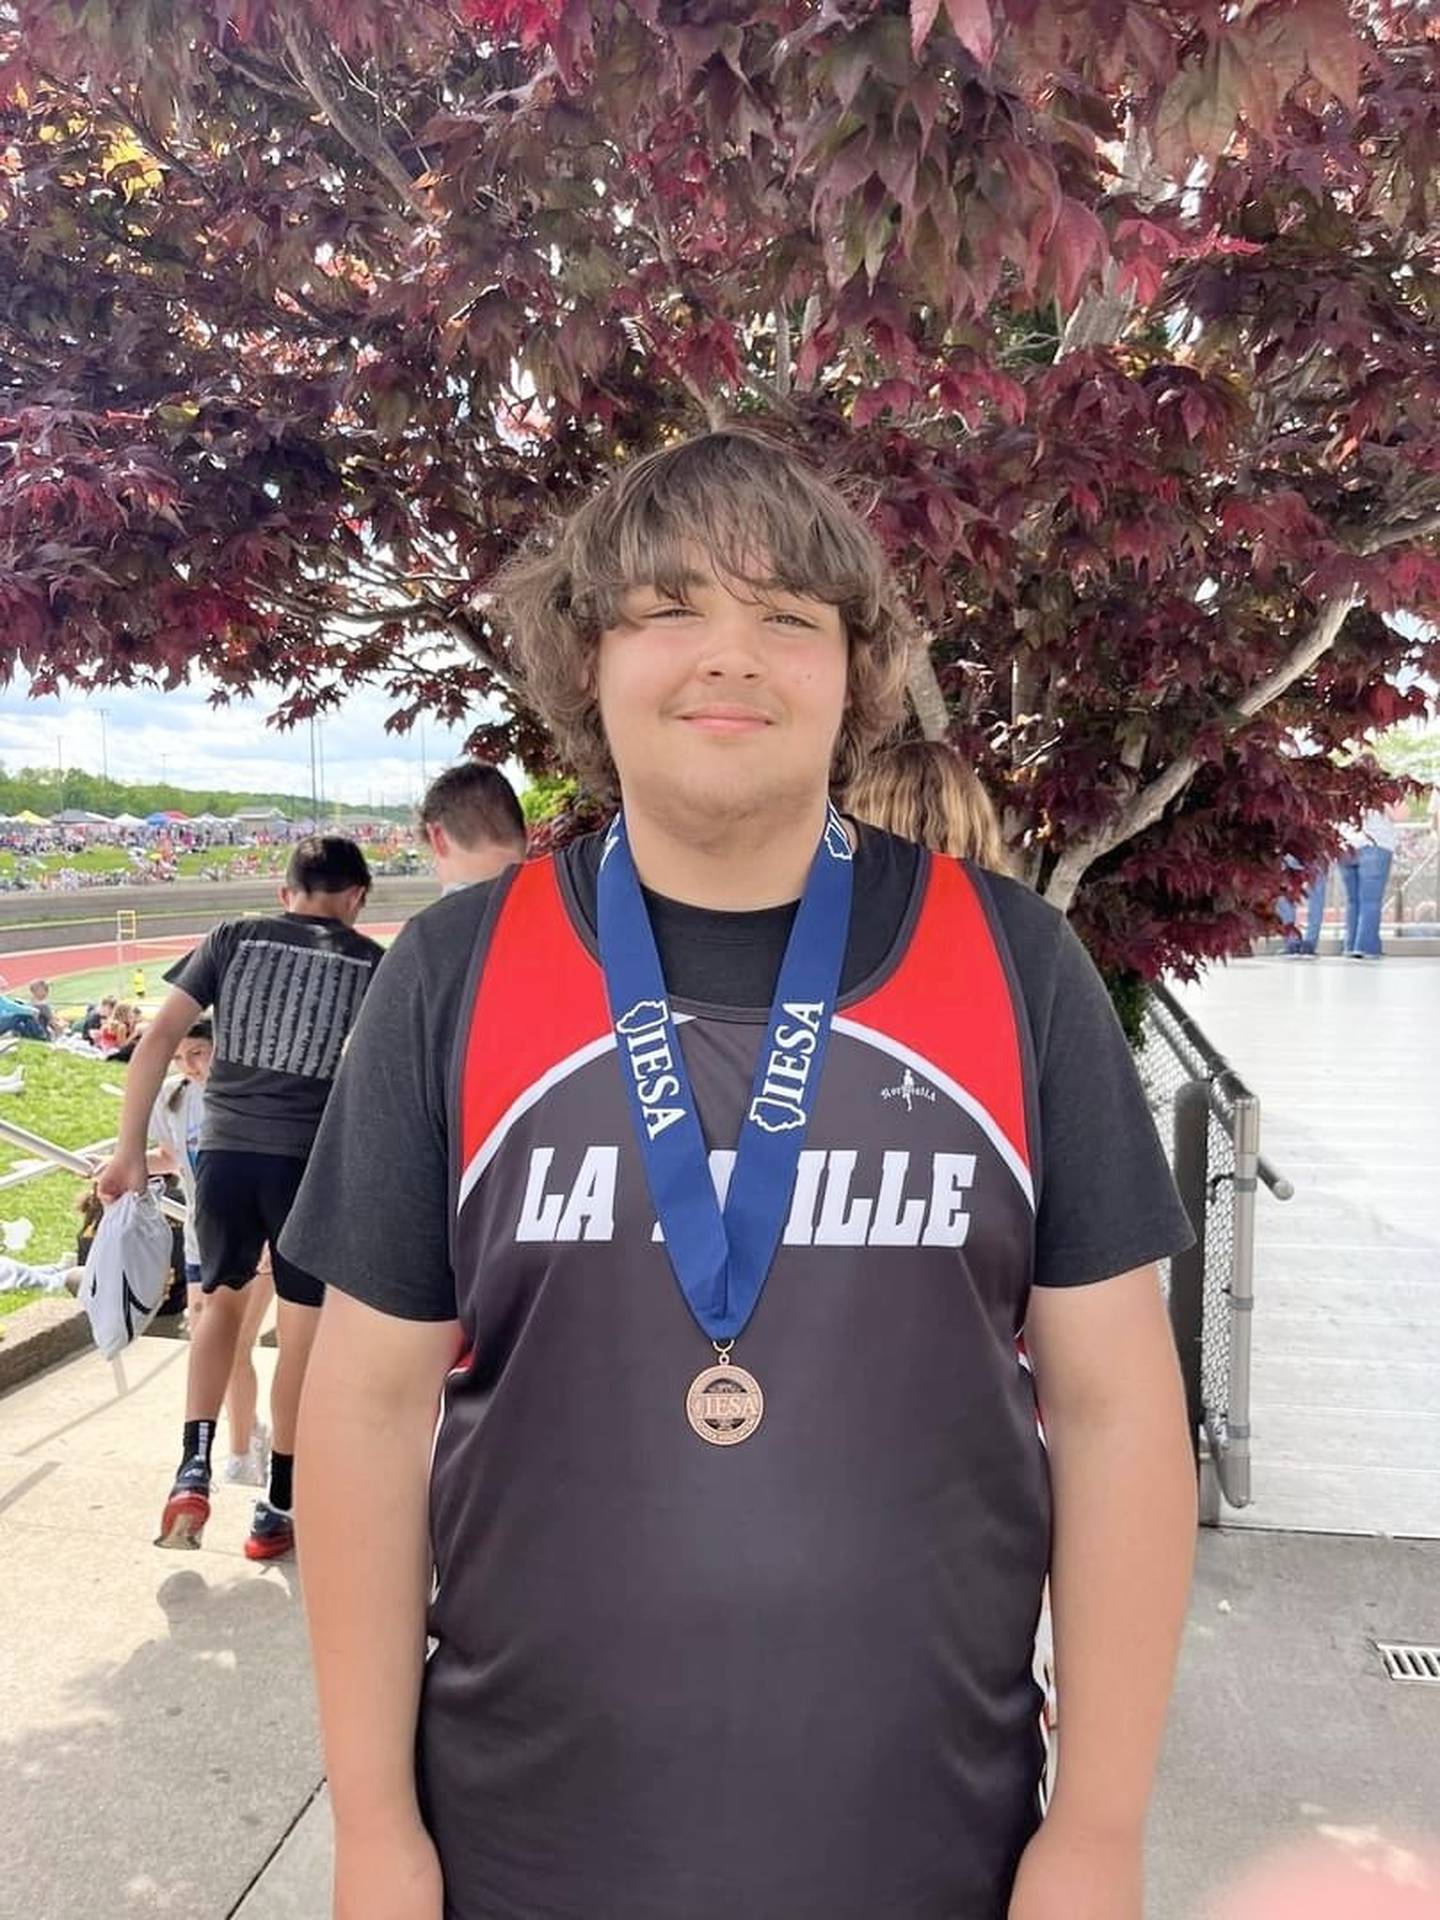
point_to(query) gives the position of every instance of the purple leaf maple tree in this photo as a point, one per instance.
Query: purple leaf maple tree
(1118, 318)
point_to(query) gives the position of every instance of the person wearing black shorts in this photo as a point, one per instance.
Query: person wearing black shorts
(286, 989)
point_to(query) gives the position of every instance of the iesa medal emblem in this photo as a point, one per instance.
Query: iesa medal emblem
(725, 1405)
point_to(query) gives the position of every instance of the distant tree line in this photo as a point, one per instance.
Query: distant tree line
(47, 791)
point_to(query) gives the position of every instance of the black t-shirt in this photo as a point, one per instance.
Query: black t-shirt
(372, 1217)
(286, 989)
(794, 1674)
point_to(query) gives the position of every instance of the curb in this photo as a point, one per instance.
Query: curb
(51, 1330)
(39, 1336)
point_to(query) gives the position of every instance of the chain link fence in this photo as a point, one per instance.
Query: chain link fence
(1210, 1123)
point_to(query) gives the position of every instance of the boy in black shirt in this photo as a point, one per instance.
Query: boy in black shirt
(286, 989)
(765, 1643)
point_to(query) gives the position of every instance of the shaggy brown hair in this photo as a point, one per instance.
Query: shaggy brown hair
(924, 790)
(765, 520)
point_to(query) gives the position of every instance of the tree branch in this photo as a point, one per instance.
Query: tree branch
(260, 74)
(783, 363)
(1395, 536)
(356, 135)
(923, 686)
(1102, 316)
(1144, 808)
(462, 631)
(157, 146)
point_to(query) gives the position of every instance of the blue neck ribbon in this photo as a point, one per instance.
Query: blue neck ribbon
(721, 1260)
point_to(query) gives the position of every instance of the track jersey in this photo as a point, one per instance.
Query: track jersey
(793, 1676)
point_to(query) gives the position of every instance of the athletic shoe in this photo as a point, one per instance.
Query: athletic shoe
(271, 1535)
(188, 1507)
(251, 1468)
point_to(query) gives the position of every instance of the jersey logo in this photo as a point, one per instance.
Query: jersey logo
(909, 1090)
(893, 1199)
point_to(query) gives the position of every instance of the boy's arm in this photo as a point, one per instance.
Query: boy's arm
(367, 1423)
(125, 1170)
(1122, 1471)
(1123, 1481)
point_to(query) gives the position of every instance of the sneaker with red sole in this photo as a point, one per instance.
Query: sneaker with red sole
(271, 1535)
(187, 1509)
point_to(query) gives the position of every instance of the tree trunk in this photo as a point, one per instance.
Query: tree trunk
(926, 697)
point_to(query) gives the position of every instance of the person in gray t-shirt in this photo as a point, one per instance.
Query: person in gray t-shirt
(285, 989)
(472, 823)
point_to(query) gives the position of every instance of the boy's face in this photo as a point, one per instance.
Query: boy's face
(722, 704)
(193, 1058)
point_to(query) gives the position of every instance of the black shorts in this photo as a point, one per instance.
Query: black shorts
(242, 1200)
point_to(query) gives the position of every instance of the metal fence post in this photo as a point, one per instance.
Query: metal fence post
(1187, 1270)
(1242, 1295)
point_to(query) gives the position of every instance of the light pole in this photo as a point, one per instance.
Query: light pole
(314, 788)
(104, 713)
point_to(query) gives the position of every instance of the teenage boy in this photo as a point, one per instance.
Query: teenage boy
(472, 822)
(286, 989)
(743, 1630)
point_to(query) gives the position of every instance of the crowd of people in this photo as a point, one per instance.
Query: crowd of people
(1364, 869)
(154, 850)
(109, 1026)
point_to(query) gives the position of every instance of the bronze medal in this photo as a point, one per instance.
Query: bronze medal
(725, 1404)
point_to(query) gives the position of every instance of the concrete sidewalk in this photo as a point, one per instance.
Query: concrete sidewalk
(157, 1744)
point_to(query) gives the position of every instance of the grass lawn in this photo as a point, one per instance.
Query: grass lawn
(71, 993)
(64, 1099)
(192, 865)
(92, 860)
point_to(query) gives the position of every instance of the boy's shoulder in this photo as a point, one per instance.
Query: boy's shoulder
(1026, 918)
(445, 925)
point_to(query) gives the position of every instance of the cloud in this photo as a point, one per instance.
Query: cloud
(177, 736)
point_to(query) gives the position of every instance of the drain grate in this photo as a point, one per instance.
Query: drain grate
(1420, 1664)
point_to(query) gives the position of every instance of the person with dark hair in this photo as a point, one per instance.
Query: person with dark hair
(49, 1020)
(96, 1016)
(286, 989)
(473, 824)
(329, 865)
(730, 1185)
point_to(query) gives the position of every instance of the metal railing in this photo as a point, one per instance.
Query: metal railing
(1210, 1121)
(65, 1159)
(1413, 904)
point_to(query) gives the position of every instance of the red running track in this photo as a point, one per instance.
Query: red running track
(45, 963)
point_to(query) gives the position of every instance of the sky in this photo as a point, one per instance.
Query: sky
(179, 737)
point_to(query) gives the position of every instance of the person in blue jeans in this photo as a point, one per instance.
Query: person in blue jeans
(1366, 873)
(22, 1021)
(1289, 914)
